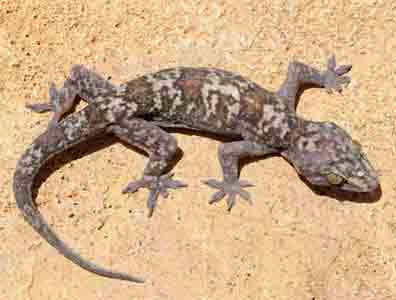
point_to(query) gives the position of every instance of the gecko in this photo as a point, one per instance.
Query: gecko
(259, 121)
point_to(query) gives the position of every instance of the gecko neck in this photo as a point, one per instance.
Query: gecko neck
(298, 130)
(294, 123)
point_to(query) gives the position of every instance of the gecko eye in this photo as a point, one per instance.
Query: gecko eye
(334, 179)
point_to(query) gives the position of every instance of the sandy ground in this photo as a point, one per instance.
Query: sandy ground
(292, 244)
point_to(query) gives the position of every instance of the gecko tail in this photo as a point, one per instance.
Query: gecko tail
(36, 220)
(71, 131)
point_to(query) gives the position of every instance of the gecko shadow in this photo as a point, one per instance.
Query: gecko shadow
(84, 149)
(334, 193)
(99, 143)
(331, 192)
(356, 197)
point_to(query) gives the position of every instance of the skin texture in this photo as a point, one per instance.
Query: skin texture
(203, 99)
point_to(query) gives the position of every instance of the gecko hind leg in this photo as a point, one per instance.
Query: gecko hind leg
(61, 101)
(82, 82)
(229, 155)
(158, 185)
(162, 148)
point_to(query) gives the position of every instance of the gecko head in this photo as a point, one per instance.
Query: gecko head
(325, 155)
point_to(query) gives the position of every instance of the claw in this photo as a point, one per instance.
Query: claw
(60, 102)
(164, 193)
(151, 202)
(333, 79)
(245, 183)
(331, 63)
(53, 92)
(173, 184)
(52, 105)
(345, 80)
(40, 107)
(231, 201)
(134, 186)
(341, 70)
(214, 183)
(229, 189)
(246, 196)
(158, 185)
(216, 197)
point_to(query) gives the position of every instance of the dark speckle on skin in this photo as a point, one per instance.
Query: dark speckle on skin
(201, 99)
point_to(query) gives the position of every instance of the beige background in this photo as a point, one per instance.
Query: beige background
(292, 244)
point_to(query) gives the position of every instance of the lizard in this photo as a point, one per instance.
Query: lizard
(203, 99)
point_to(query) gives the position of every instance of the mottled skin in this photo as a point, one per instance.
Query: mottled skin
(203, 99)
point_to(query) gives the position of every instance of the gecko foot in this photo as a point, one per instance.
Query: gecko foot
(60, 102)
(158, 185)
(40, 107)
(230, 189)
(333, 76)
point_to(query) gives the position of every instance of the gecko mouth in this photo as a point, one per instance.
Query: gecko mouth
(353, 186)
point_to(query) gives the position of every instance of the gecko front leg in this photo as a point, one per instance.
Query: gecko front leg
(299, 74)
(161, 147)
(229, 155)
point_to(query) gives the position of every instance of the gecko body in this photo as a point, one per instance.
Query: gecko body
(201, 99)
